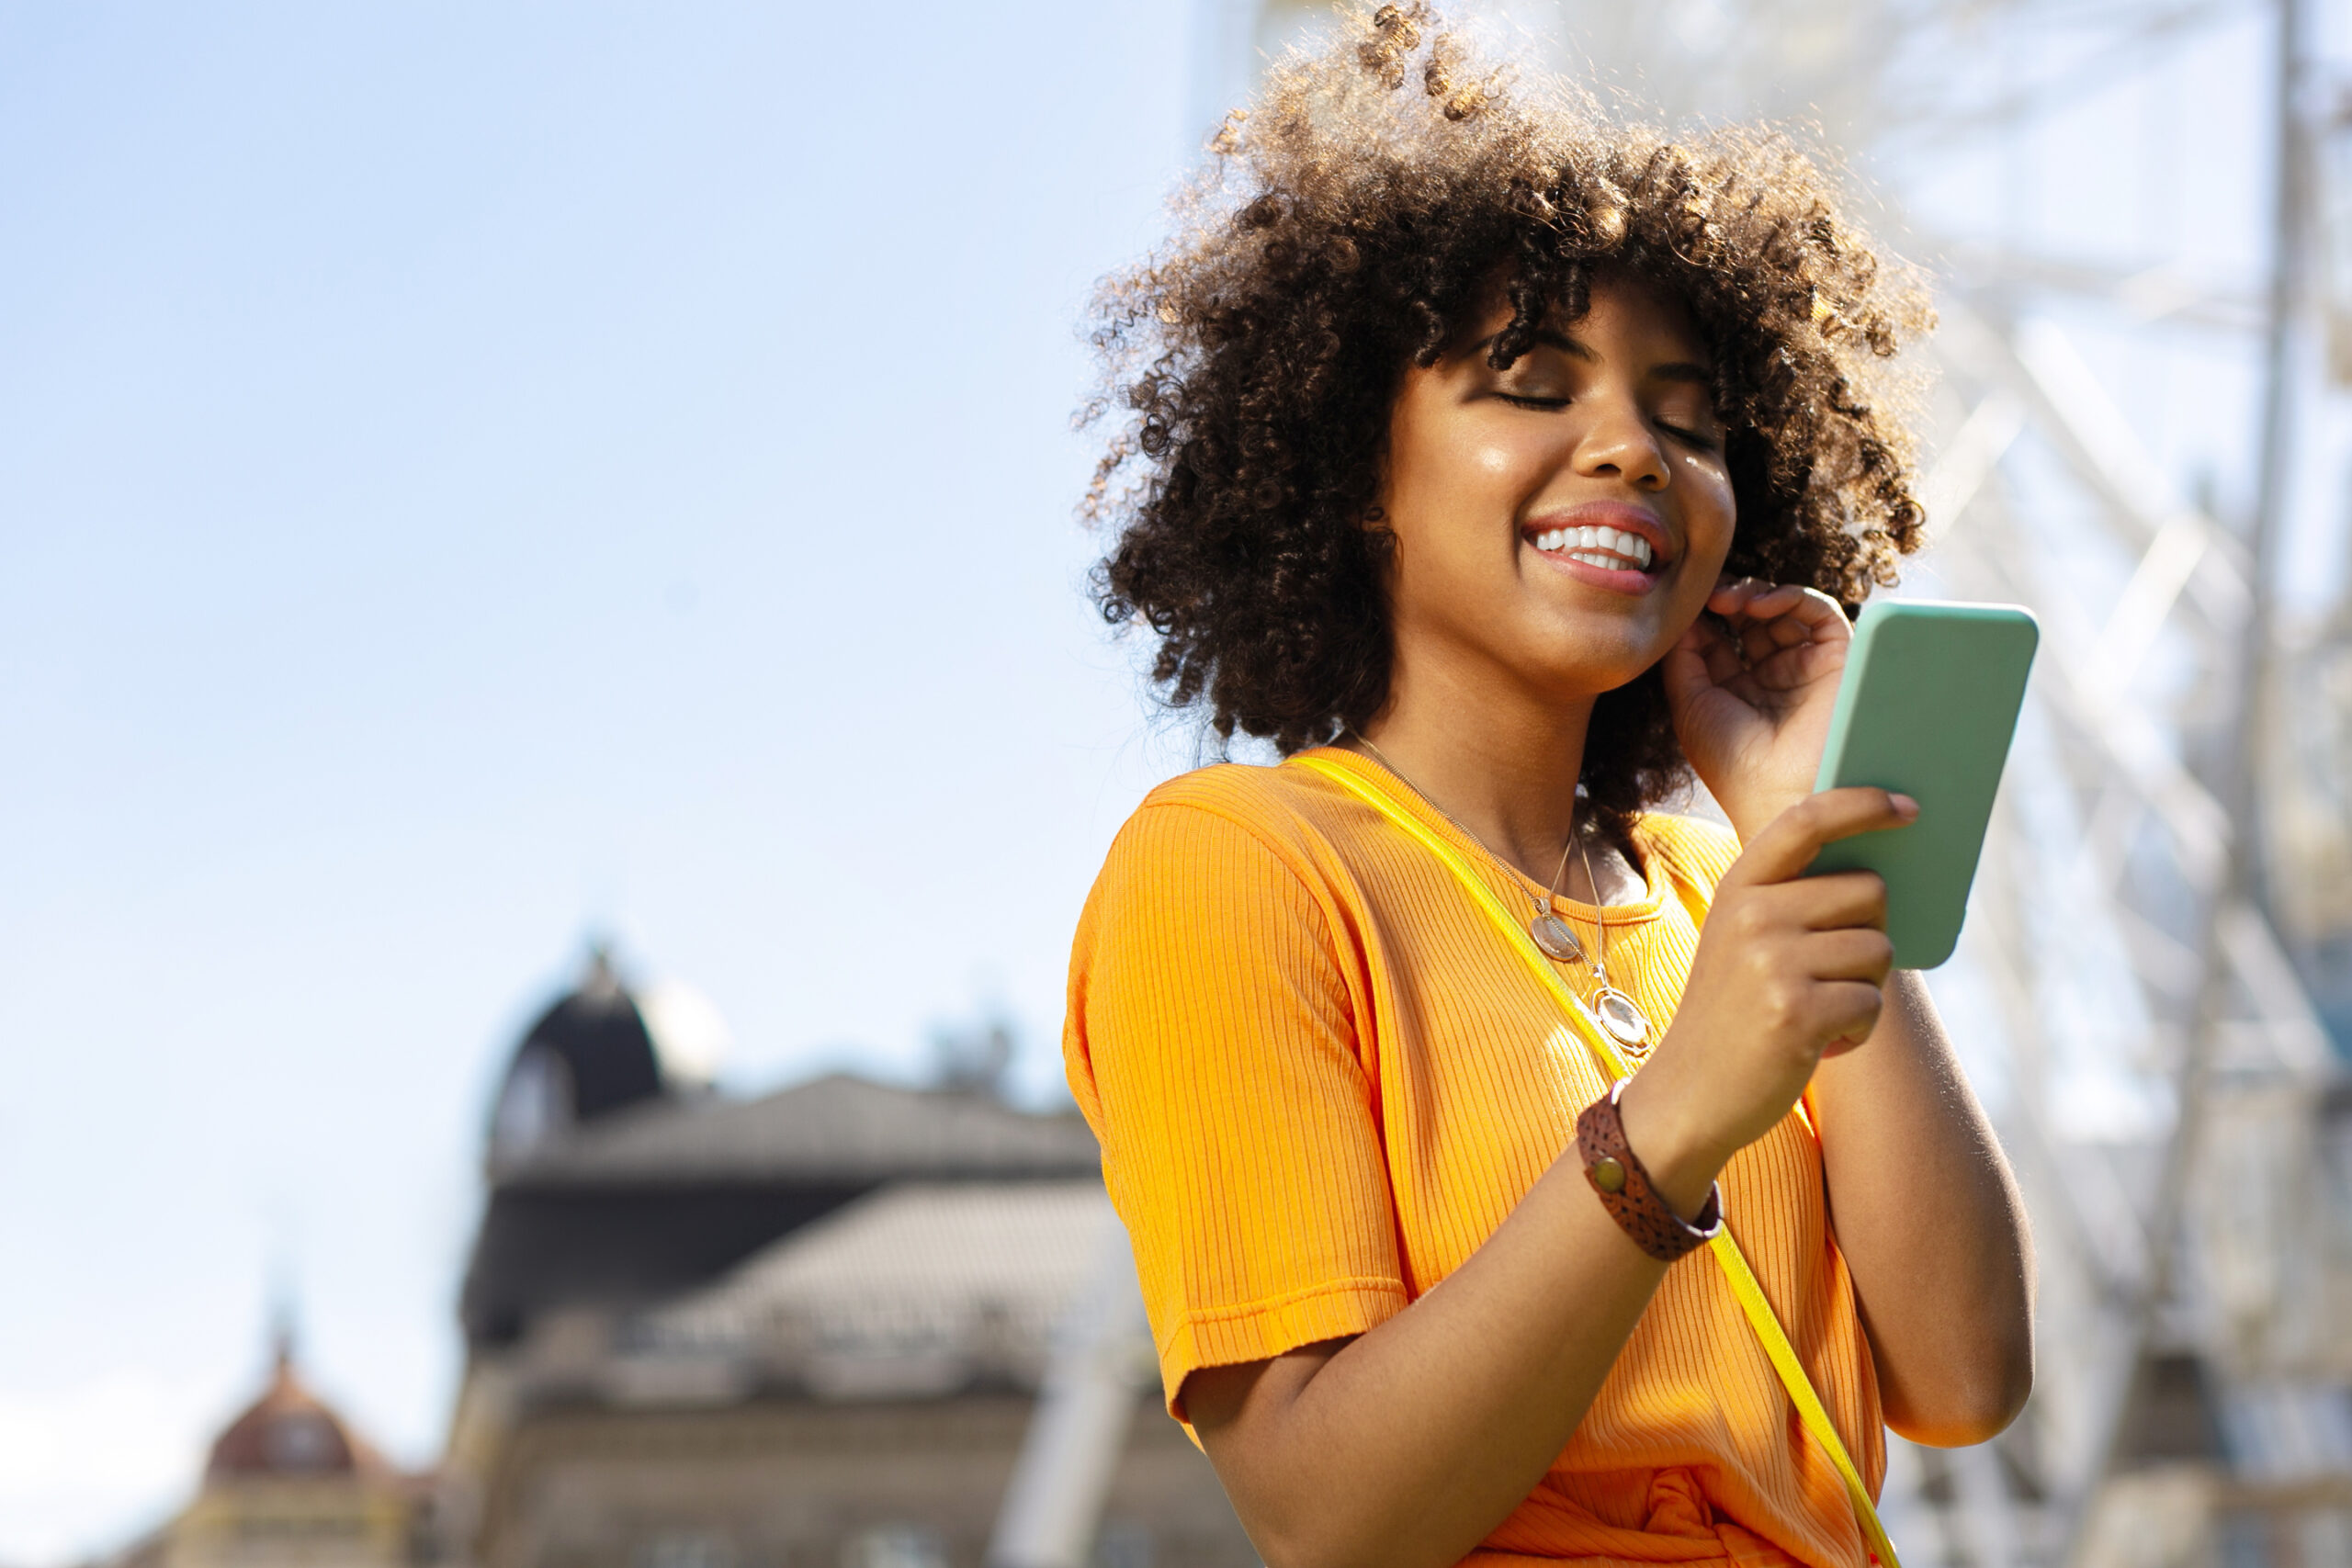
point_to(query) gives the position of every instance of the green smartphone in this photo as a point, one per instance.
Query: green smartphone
(1927, 706)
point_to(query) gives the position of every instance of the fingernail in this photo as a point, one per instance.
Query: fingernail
(1905, 806)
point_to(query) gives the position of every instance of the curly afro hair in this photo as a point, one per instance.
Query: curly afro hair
(1353, 223)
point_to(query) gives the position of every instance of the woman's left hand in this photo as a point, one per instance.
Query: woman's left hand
(1752, 692)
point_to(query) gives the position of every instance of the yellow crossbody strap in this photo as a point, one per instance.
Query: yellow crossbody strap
(1736, 1273)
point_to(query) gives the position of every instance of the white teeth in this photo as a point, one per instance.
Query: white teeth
(1610, 547)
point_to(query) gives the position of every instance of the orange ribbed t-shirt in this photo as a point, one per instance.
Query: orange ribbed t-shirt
(1321, 1082)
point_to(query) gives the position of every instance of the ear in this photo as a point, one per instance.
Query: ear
(1375, 517)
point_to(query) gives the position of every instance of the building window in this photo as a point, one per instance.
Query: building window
(533, 1106)
(1123, 1543)
(686, 1549)
(298, 1442)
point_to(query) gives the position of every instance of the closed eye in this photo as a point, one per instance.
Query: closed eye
(1697, 438)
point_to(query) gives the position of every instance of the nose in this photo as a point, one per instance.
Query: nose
(1618, 443)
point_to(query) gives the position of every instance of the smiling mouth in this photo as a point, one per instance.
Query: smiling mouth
(1612, 549)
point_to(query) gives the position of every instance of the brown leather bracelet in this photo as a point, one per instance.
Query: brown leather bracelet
(1626, 1191)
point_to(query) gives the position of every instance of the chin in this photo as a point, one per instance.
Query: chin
(1589, 659)
(1583, 680)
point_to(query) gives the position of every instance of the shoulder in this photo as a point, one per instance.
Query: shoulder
(1695, 849)
(1288, 811)
(1228, 847)
(1280, 797)
(1214, 912)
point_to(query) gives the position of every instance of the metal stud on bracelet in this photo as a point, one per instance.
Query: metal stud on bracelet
(1626, 1191)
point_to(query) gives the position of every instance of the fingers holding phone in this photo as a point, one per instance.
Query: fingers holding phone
(1789, 968)
(1832, 892)
(1927, 704)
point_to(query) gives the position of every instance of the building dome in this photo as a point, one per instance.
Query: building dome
(289, 1431)
(599, 1049)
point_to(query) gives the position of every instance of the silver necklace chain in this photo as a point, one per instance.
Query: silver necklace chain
(1619, 1013)
(1567, 850)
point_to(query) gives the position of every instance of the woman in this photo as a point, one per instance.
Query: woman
(1500, 467)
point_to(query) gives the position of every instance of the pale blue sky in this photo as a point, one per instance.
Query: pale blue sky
(471, 475)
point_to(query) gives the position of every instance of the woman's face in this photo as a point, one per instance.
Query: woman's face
(1564, 521)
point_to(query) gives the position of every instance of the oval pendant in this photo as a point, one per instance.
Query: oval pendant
(1622, 1018)
(1553, 935)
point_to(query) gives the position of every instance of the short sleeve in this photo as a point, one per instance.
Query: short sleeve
(1211, 1043)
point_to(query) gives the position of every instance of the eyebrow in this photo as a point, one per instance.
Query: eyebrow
(1672, 371)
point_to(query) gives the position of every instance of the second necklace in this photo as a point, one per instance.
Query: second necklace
(1620, 1014)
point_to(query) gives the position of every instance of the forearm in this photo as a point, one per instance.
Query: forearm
(1928, 1218)
(1410, 1444)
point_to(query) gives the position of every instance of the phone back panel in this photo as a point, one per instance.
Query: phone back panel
(1928, 706)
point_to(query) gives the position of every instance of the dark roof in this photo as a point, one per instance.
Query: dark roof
(660, 1198)
(836, 1129)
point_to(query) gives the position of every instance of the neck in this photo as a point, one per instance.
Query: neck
(1500, 760)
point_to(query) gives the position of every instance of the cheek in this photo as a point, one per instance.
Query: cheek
(1481, 462)
(1493, 460)
(1710, 512)
(1464, 484)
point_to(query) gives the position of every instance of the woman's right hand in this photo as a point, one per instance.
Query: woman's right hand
(1790, 969)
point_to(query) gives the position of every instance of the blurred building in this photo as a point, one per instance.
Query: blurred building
(289, 1485)
(805, 1329)
(2309, 806)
